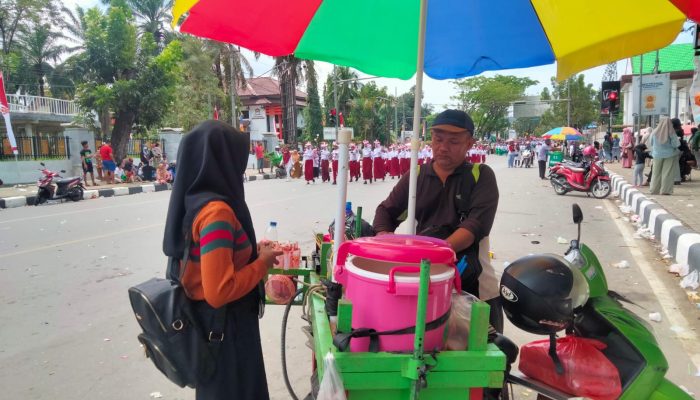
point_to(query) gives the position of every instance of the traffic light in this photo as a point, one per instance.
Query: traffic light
(331, 117)
(613, 101)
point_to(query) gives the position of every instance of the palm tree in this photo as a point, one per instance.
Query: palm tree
(346, 90)
(74, 24)
(290, 71)
(39, 46)
(153, 16)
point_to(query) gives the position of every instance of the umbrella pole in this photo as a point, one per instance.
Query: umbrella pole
(343, 139)
(413, 177)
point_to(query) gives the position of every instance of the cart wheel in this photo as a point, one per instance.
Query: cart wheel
(314, 387)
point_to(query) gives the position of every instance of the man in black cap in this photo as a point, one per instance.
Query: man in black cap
(456, 201)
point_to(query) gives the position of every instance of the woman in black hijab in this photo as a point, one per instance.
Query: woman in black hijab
(225, 267)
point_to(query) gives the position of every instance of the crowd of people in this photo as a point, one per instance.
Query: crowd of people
(153, 165)
(367, 161)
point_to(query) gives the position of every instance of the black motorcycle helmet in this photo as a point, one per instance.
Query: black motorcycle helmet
(540, 293)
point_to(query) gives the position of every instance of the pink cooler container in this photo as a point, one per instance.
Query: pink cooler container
(380, 276)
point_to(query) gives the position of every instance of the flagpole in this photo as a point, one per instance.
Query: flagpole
(413, 177)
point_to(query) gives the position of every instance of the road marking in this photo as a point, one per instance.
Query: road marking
(69, 242)
(77, 211)
(668, 304)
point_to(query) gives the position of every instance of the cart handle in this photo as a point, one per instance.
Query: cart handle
(406, 268)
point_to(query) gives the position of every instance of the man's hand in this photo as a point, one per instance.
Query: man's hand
(460, 239)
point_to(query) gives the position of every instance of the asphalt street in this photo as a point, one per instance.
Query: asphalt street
(68, 331)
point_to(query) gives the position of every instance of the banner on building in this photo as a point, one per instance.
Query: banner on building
(695, 92)
(5, 111)
(656, 94)
(329, 133)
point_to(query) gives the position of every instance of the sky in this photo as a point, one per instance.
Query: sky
(436, 92)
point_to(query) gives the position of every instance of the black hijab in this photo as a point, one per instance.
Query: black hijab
(211, 162)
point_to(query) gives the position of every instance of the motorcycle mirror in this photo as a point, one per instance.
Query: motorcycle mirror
(578, 214)
(42, 164)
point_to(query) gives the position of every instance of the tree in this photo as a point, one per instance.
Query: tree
(38, 47)
(125, 75)
(198, 91)
(584, 104)
(153, 17)
(405, 109)
(369, 113)
(313, 115)
(18, 15)
(289, 69)
(487, 100)
(346, 90)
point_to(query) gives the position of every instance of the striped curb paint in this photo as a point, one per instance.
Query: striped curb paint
(19, 201)
(682, 242)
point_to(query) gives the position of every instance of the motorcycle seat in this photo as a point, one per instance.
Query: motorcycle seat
(64, 181)
(574, 169)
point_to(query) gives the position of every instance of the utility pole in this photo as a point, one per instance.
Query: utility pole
(234, 106)
(641, 75)
(396, 113)
(335, 100)
(568, 103)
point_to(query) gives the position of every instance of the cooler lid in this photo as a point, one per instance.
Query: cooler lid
(398, 249)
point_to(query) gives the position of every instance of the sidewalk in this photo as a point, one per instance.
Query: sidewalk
(672, 221)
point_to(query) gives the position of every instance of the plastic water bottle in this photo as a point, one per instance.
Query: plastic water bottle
(348, 209)
(271, 232)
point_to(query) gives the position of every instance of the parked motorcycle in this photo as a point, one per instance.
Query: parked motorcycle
(54, 187)
(631, 346)
(588, 177)
(526, 159)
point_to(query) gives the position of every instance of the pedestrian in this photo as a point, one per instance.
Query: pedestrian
(260, 157)
(208, 213)
(296, 167)
(628, 148)
(146, 156)
(353, 162)
(678, 129)
(157, 153)
(512, 153)
(162, 174)
(366, 161)
(275, 159)
(86, 157)
(443, 211)
(308, 158)
(542, 155)
(607, 147)
(694, 144)
(377, 161)
(287, 161)
(394, 166)
(664, 150)
(108, 163)
(616, 148)
(405, 163)
(640, 156)
(335, 156)
(128, 167)
(325, 163)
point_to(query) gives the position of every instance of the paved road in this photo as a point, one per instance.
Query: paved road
(68, 331)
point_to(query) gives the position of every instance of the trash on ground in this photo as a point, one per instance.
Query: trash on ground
(677, 329)
(690, 281)
(690, 205)
(679, 269)
(156, 395)
(103, 257)
(625, 209)
(599, 207)
(655, 316)
(63, 221)
(107, 339)
(622, 264)
(694, 297)
(562, 240)
(634, 218)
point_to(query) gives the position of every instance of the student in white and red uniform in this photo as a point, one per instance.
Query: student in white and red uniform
(354, 162)
(386, 159)
(405, 159)
(366, 161)
(308, 158)
(325, 163)
(378, 161)
(394, 167)
(428, 154)
(335, 156)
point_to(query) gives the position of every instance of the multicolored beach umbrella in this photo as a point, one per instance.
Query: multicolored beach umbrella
(463, 37)
(563, 133)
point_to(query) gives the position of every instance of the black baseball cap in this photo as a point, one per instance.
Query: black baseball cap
(453, 121)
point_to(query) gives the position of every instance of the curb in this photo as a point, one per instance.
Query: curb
(21, 201)
(683, 243)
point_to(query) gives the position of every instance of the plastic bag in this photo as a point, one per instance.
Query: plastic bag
(690, 281)
(331, 387)
(587, 372)
(458, 323)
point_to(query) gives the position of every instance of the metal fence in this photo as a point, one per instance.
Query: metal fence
(135, 146)
(33, 148)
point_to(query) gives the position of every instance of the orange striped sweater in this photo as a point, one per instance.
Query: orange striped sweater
(218, 270)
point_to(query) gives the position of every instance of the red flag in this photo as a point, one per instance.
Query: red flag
(5, 111)
(216, 113)
(341, 120)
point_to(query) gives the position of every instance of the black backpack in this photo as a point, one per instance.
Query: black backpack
(172, 336)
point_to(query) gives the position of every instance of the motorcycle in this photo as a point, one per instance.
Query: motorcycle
(526, 159)
(631, 345)
(54, 187)
(588, 177)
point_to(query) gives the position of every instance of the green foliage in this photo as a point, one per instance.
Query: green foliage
(198, 90)
(370, 113)
(584, 104)
(347, 91)
(487, 100)
(126, 75)
(313, 115)
(405, 109)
